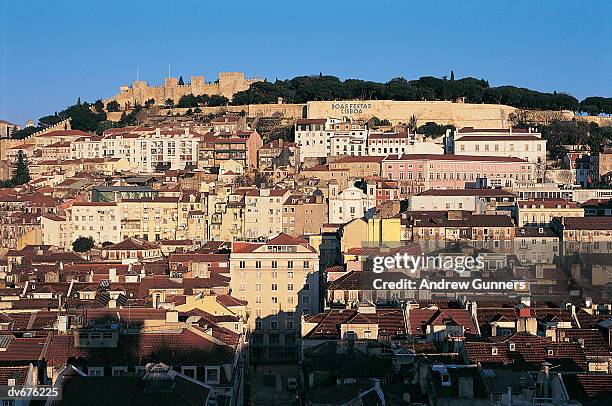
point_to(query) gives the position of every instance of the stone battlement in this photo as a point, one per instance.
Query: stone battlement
(139, 92)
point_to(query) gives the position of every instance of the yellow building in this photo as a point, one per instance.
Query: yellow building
(280, 281)
(158, 218)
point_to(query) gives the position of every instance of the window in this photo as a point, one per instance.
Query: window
(290, 286)
(306, 264)
(274, 264)
(290, 265)
(212, 375)
(290, 273)
(189, 371)
(274, 286)
(242, 265)
(257, 264)
(258, 287)
(96, 371)
(274, 300)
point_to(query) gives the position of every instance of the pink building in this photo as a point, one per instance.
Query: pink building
(456, 171)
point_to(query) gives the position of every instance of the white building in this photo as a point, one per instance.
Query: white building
(521, 143)
(99, 220)
(86, 148)
(312, 136)
(347, 145)
(319, 138)
(349, 204)
(151, 150)
(382, 144)
(264, 212)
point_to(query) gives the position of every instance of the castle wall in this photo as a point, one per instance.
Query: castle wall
(441, 112)
(228, 84)
(6, 144)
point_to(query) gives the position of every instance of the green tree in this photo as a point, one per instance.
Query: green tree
(99, 106)
(197, 110)
(83, 244)
(180, 81)
(188, 100)
(169, 103)
(113, 106)
(149, 103)
(452, 78)
(21, 174)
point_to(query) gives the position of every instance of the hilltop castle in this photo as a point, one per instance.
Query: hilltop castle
(228, 84)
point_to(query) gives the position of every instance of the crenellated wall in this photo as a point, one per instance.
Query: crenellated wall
(228, 84)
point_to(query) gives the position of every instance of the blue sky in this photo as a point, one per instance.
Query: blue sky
(55, 51)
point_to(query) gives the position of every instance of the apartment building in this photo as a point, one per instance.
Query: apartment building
(311, 135)
(58, 151)
(584, 234)
(540, 212)
(264, 212)
(86, 147)
(319, 138)
(159, 218)
(240, 146)
(472, 200)
(56, 231)
(525, 144)
(98, 220)
(456, 171)
(382, 144)
(304, 214)
(280, 281)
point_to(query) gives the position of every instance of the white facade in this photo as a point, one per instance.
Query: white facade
(347, 145)
(445, 203)
(518, 143)
(99, 220)
(86, 148)
(147, 151)
(382, 144)
(264, 212)
(349, 204)
(319, 138)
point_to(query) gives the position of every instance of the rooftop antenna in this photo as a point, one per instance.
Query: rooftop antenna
(137, 73)
(168, 69)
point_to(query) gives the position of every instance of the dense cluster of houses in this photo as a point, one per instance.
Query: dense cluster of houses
(222, 270)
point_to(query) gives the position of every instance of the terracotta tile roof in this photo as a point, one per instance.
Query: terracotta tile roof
(468, 192)
(508, 137)
(131, 244)
(19, 374)
(390, 322)
(173, 348)
(529, 353)
(419, 319)
(447, 157)
(493, 130)
(587, 223)
(357, 159)
(63, 133)
(230, 301)
(23, 350)
(591, 339)
(311, 121)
